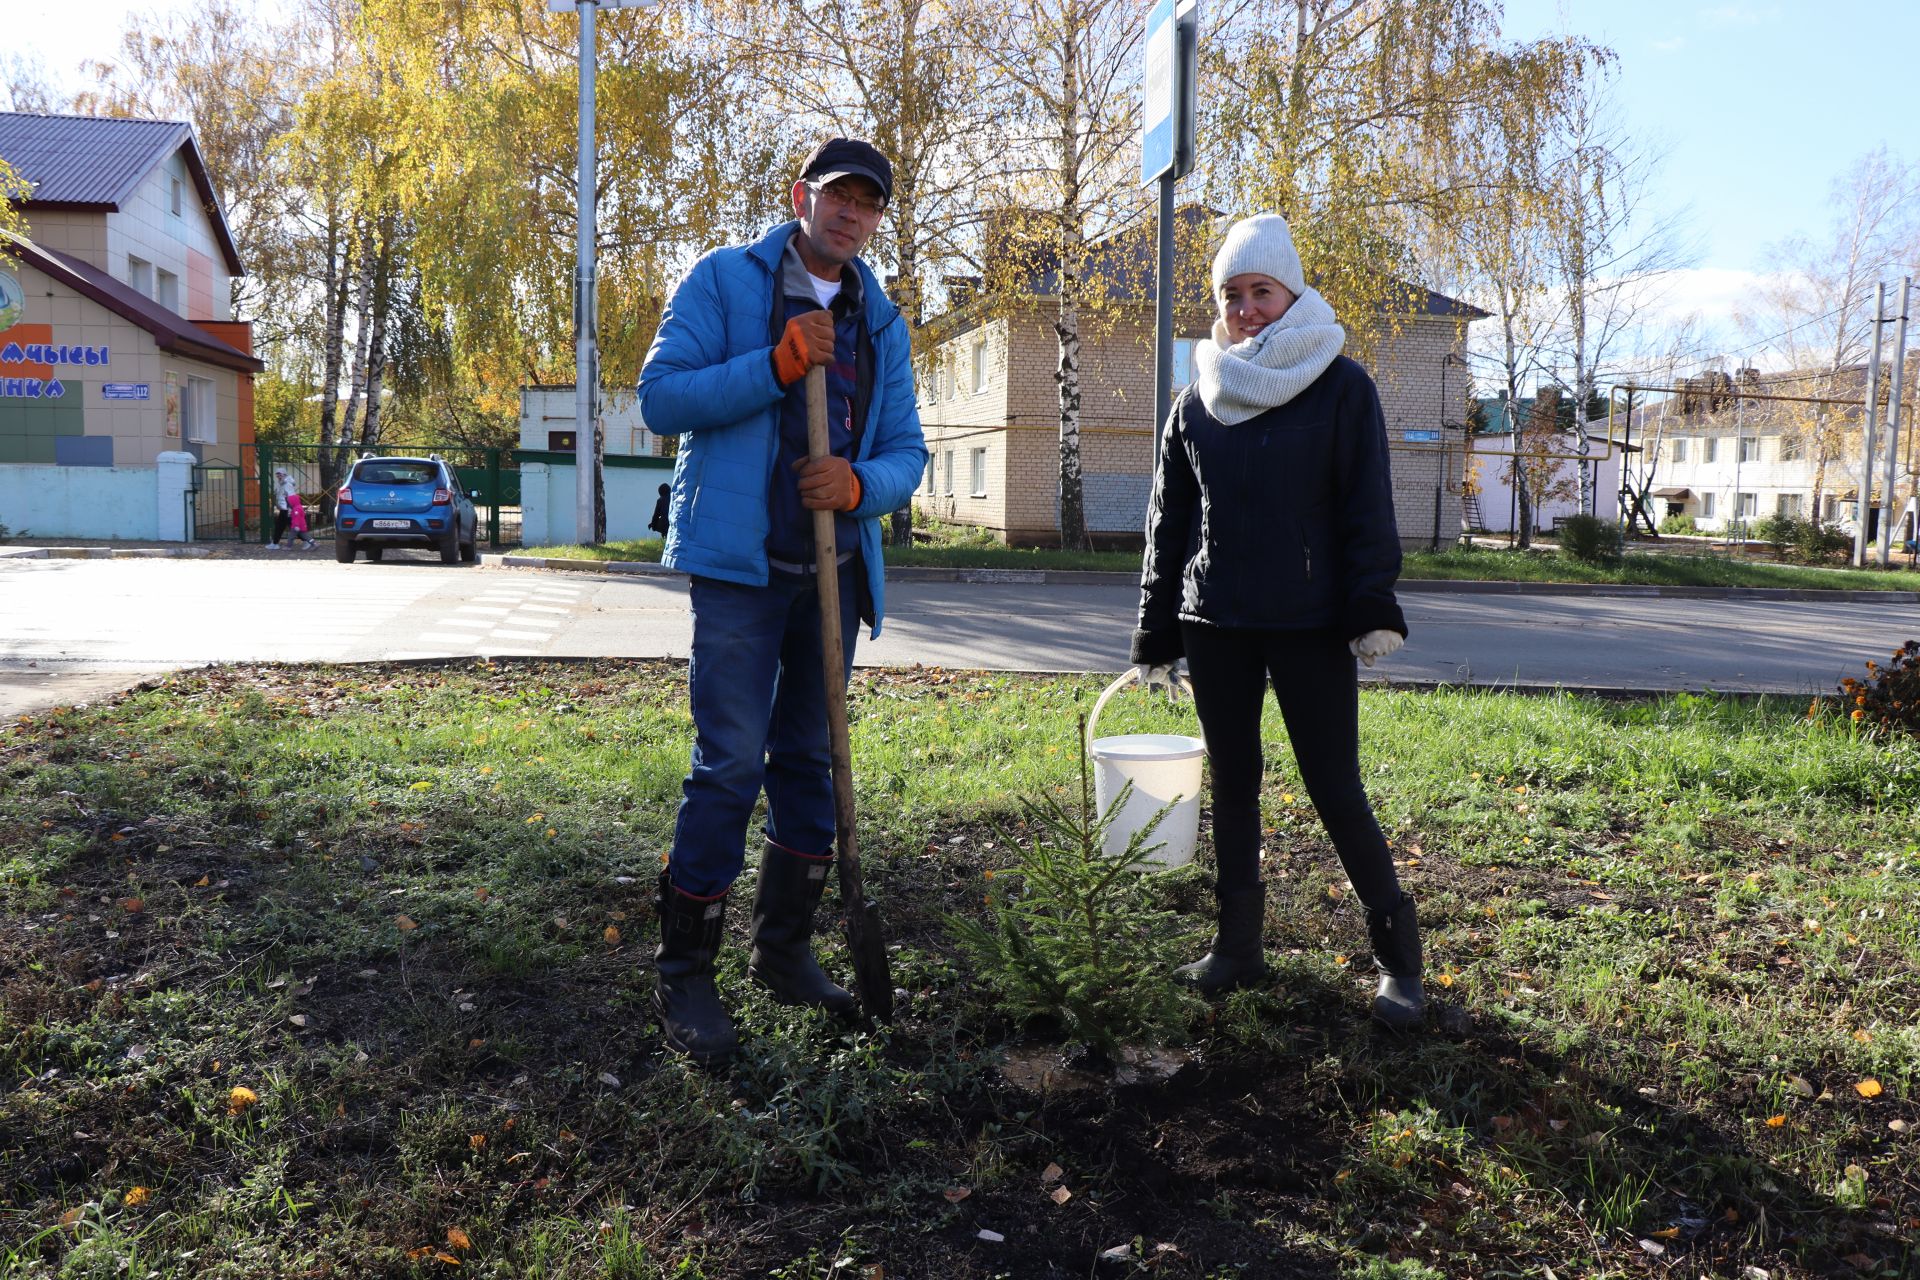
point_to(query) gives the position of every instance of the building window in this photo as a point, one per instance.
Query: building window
(140, 275)
(174, 197)
(953, 381)
(1832, 505)
(1712, 449)
(1749, 506)
(1787, 504)
(1706, 506)
(1790, 448)
(1749, 448)
(167, 290)
(932, 462)
(948, 463)
(1182, 362)
(977, 465)
(1680, 449)
(979, 365)
(196, 412)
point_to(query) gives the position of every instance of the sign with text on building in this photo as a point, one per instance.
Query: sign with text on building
(1420, 436)
(1167, 88)
(126, 391)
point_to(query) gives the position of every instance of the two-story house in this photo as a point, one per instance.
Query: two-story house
(989, 398)
(120, 361)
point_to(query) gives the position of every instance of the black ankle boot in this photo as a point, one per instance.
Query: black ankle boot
(1399, 1003)
(691, 1015)
(1236, 959)
(784, 903)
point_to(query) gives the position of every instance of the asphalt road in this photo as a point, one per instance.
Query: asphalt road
(71, 629)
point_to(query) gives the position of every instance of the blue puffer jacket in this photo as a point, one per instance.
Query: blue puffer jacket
(709, 377)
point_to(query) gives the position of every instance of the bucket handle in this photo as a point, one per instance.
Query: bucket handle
(1179, 679)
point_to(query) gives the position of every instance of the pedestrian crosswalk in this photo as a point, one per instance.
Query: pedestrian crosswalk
(504, 619)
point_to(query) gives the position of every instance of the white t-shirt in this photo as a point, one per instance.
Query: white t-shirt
(825, 290)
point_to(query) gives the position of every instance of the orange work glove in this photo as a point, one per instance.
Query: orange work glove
(808, 341)
(828, 484)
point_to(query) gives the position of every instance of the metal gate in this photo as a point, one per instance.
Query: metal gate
(215, 510)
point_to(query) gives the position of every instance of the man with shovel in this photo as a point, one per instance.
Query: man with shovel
(727, 372)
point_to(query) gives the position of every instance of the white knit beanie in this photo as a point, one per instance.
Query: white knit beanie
(1261, 243)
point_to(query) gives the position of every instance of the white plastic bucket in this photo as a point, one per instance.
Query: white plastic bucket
(1164, 769)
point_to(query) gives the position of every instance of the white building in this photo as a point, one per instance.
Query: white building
(637, 464)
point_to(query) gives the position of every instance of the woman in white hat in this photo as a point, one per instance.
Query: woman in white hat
(1271, 557)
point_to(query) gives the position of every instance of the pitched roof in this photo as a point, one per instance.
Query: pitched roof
(173, 333)
(97, 163)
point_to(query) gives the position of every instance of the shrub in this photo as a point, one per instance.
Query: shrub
(1888, 700)
(1591, 540)
(1780, 532)
(1074, 937)
(1815, 542)
(1677, 523)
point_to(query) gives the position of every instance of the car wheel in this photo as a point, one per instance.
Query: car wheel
(343, 550)
(374, 554)
(450, 549)
(471, 552)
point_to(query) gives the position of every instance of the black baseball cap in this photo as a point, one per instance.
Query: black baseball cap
(840, 157)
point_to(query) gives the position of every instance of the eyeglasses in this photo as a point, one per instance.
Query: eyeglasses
(871, 206)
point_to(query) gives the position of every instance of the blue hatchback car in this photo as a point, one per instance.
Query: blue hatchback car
(404, 502)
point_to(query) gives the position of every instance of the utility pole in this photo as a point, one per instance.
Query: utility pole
(1873, 425)
(586, 311)
(1739, 427)
(1893, 424)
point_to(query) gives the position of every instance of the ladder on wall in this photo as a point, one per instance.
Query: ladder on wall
(1470, 513)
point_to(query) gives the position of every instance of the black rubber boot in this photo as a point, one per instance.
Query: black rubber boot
(1399, 1003)
(784, 903)
(691, 1015)
(1236, 959)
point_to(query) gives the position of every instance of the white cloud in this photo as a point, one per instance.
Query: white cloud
(1738, 15)
(1670, 46)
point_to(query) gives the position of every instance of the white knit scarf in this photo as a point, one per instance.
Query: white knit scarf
(1243, 380)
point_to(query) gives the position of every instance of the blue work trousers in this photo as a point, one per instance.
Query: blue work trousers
(759, 720)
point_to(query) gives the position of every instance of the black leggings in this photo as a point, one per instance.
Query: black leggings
(282, 521)
(1318, 690)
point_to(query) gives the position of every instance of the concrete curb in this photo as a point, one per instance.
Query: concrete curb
(104, 553)
(1436, 586)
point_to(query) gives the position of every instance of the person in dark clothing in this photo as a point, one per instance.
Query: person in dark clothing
(1271, 557)
(727, 373)
(659, 522)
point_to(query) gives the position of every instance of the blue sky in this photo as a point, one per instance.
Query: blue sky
(1759, 106)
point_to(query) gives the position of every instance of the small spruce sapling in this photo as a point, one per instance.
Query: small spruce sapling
(1073, 937)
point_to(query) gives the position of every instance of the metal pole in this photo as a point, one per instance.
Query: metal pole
(1739, 424)
(584, 303)
(1893, 423)
(1873, 425)
(1163, 317)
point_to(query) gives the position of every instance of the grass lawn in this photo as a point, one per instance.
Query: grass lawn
(1675, 950)
(1660, 569)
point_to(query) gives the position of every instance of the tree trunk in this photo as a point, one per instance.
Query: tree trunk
(371, 422)
(1073, 512)
(363, 306)
(339, 269)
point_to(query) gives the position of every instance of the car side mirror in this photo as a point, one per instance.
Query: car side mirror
(474, 494)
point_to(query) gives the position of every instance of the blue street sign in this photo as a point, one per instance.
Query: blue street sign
(126, 391)
(1421, 437)
(1159, 94)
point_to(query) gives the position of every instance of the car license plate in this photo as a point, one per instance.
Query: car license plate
(390, 524)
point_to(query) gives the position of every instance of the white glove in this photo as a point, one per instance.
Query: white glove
(1159, 676)
(1375, 644)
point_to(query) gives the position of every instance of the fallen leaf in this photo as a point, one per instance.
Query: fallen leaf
(239, 1099)
(1868, 1088)
(1898, 1126)
(201, 883)
(991, 1237)
(609, 1079)
(1061, 1195)
(1653, 1247)
(476, 1042)
(1774, 1122)
(134, 906)
(1333, 892)
(421, 786)
(1445, 980)
(447, 1258)
(297, 1019)
(72, 1215)
(404, 922)
(477, 1140)
(1667, 1233)
(458, 1238)
(955, 1195)
(1798, 1087)
(611, 934)
(136, 1196)
(1052, 1173)
(482, 893)
(1859, 1261)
